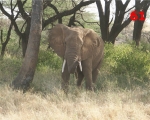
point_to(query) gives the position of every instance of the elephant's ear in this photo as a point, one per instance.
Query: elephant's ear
(56, 39)
(91, 42)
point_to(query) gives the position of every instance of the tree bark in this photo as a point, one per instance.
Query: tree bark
(1, 36)
(104, 18)
(67, 12)
(109, 35)
(25, 38)
(26, 73)
(4, 44)
(138, 25)
(24, 45)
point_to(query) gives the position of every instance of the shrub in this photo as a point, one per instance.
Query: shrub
(48, 59)
(126, 59)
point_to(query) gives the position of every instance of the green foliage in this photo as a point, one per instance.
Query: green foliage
(127, 61)
(48, 59)
(28, 6)
(145, 47)
(124, 65)
(9, 68)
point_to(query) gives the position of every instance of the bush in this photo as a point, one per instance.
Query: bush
(123, 65)
(10, 65)
(48, 59)
(128, 60)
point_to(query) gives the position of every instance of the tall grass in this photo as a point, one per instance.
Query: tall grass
(122, 89)
(125, 105)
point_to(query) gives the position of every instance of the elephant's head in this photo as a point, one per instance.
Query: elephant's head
(73, 44)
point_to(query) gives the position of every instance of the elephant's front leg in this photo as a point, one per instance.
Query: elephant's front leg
(65, 79)
(87, 71)
(80, 77)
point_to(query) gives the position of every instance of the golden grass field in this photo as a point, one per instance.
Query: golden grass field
(102, 105)
(46, 101)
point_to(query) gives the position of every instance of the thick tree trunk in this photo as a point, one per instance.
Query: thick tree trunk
(104, 18)
(138, 25)
(26, 74)
(104, 31)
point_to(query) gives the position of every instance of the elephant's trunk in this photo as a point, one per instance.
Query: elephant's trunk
(72, 57)
(73, 67)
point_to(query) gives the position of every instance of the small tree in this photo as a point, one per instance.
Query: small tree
(26, 74)
(119, 21)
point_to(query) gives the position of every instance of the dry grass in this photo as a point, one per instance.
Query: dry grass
(45, 101)
(110, 105)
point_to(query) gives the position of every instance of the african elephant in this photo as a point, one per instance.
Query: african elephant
(82, 51)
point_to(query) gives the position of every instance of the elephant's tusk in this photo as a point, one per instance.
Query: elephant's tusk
(63, 66)
(80, 65)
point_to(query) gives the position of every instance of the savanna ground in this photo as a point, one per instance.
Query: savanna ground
(122, 89)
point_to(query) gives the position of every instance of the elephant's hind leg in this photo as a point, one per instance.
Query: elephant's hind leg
(94, 75)
(95, 72)
(80, 77)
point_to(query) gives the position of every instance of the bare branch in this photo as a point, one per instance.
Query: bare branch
(129, 9)
(87, 21)
(111, 21)
(4, 11)
(21, 9)
(79, 23)
(67, 12)
(53, 7)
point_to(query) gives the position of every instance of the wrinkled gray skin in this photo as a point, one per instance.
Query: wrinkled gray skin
(77, 45)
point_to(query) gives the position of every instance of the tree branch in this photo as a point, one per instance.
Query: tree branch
(56, 11)
(79, 23)
(11, 18)
(25, 16)
(87, 21)
(100, 9)
(111, 21)
(53, 7)
(129, 9)
(4, 11)
(67, 12)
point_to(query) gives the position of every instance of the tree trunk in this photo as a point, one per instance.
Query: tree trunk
(4, 44)
(26, 73)
(24, 46)
(138, 25)
(1, 36)
(24, 42)
(25, 37)
(104, 18)
(109, 35)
